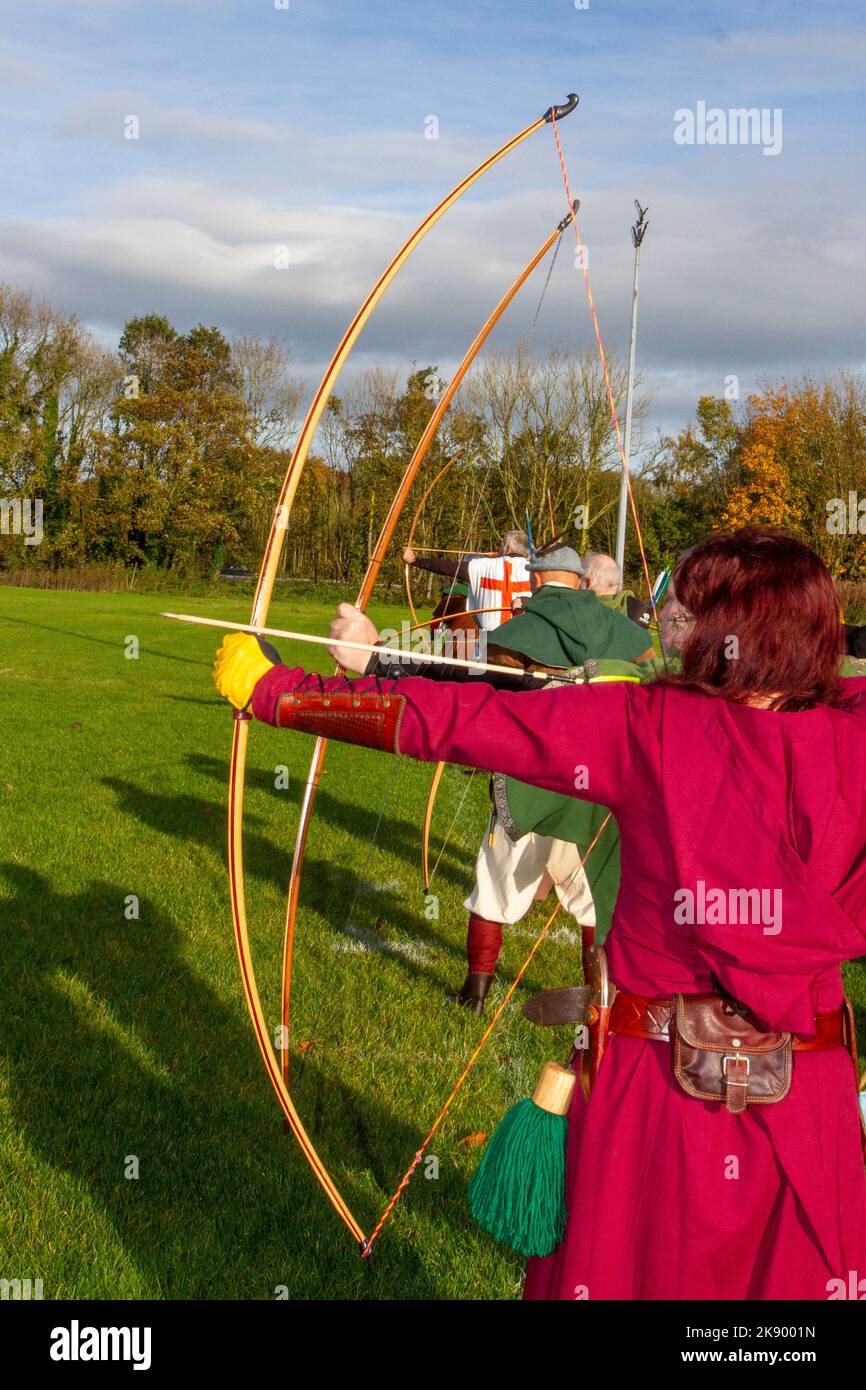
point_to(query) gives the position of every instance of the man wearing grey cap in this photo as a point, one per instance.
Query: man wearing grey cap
(563, 622)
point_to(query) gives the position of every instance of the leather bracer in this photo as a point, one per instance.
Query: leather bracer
(370, 719)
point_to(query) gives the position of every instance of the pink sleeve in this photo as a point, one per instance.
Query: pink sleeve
(575, 740)
(282, 679)
(572, 740)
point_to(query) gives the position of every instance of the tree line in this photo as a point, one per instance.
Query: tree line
(167, 455)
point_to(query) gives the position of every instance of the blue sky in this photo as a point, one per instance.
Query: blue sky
(305, 127)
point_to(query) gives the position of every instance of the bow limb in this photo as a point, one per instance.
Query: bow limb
(368, 583)
(416, 518)
(428, 820)
(273, 550)
(468, 613)
(260, 1028)
(261, 602)
(438, 414)
(407, 580)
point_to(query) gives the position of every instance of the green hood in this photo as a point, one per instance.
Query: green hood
(618, 602)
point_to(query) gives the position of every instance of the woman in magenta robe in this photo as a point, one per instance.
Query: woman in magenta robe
(746, 773)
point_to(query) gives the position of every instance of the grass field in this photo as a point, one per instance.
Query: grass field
(125, 1037)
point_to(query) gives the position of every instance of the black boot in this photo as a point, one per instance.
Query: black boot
(473, 991)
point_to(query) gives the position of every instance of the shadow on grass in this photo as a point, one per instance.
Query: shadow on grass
(113, 642)
(395, 833)
(368, 917)
(114, 1047)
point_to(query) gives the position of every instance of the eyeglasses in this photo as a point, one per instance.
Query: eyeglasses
(680, 619)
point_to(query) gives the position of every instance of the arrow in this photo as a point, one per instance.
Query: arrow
(364, 647)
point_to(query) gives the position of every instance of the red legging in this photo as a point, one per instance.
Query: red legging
(483, 944)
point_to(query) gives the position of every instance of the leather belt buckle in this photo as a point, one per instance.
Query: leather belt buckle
(734, 1057)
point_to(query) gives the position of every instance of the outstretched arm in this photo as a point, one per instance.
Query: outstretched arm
(575, 740)
(437, 564)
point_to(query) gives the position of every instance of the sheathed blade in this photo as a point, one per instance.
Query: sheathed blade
(553, 1006)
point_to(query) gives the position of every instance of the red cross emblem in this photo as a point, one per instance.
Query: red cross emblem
(507, 587)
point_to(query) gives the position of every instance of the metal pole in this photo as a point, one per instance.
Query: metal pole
(638, 232)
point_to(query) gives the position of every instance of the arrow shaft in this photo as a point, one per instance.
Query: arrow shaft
(357, 646)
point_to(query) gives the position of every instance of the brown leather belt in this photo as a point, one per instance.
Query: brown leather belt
(635, 1016)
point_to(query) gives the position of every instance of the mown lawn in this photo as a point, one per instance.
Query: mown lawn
(127, 1038)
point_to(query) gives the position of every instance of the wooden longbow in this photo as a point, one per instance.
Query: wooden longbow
(261, 602)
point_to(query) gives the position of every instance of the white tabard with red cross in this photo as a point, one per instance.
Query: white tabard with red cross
(494, 583)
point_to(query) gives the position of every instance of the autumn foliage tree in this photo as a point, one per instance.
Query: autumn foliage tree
(802, 451)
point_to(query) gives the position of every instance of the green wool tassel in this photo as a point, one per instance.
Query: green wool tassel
(518, 1191)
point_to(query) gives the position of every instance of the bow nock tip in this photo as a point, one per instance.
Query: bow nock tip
(570, 216)
(560, 112)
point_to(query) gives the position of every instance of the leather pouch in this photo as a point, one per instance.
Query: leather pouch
(719, 1054)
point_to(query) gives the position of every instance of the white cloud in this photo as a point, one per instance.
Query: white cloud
(747, 269)
(747, 287)
(102, 118)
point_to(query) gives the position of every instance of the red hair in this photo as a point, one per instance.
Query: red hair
(766, 620)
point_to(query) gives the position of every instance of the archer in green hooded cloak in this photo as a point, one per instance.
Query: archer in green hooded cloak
(561, 628)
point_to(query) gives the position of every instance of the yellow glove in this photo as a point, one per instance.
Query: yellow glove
(240, 664)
